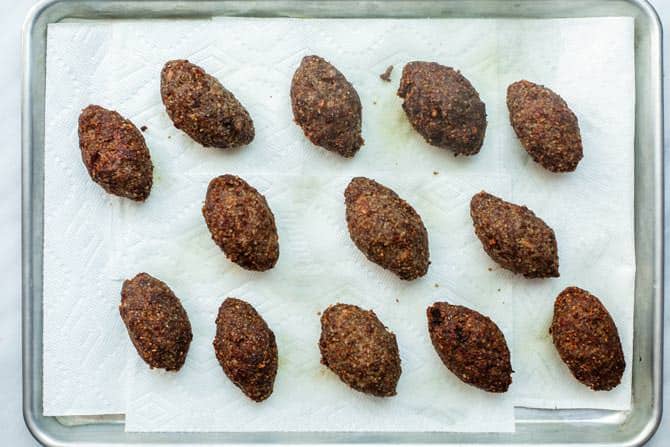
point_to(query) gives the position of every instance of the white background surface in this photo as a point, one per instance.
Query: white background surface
(12, 429)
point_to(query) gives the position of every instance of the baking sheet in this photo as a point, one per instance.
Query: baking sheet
(145, 49)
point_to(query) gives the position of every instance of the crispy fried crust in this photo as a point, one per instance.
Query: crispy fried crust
(514, 237)
(386, 228)
(587, 339)
(443, 107)
(471, 346)
(241, 223)
(200, 106)
(326, 106)
(246, 348)
(545, 125)
(357, 347)
(114, 153)
(157, 323)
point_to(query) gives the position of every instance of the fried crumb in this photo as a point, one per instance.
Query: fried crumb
(143, 128)
(386, 76)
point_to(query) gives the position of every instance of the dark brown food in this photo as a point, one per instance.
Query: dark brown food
(443, 107)
(199, 105)
(514, 237)
(114, 153)
(246, 349)
(546, 126)
(157, 323)
(386, 228)
(587, 339)
(241, 223)
(326, 106)
(471, 346)
(357, 347)
(386, 76)
(143, 128)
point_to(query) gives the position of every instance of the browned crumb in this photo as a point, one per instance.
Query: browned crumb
(386, 76)
(143, 128)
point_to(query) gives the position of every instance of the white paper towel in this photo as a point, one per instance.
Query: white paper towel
(82, 338)
(167, 237)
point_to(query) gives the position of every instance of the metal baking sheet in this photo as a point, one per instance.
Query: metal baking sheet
(534, 427)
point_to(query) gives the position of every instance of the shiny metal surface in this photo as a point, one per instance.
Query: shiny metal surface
(562, 427)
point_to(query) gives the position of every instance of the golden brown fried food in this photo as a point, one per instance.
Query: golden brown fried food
(326, 106)
(443, 107)
(156, 321)
(204, 109)
(545, 125)
(471, 346)
(587, 339)
(114, 153)
(246, 348)
(241, 223)
(357, 347)
(386, 228)
(514, 237)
